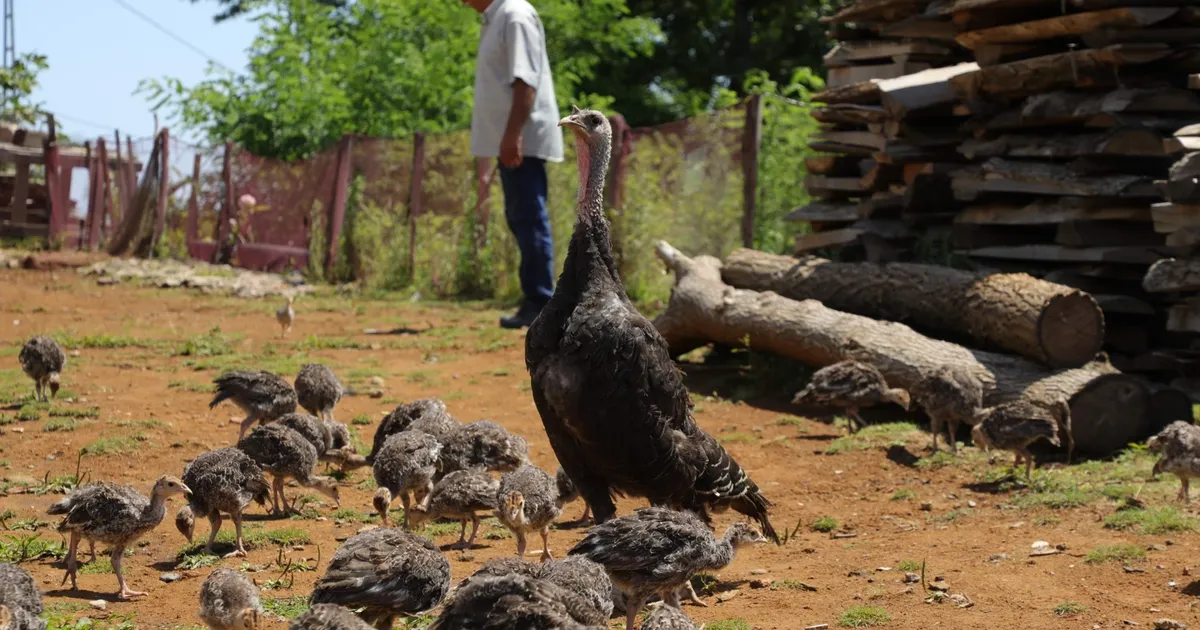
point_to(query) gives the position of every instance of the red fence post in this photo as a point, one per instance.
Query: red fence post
(193, 222)
(54, 187)
(124, 202)
(222, 230)
(751, 142)
(415, 199)
(132, 172)
(101, 198)
(164, 181)
(337, 212)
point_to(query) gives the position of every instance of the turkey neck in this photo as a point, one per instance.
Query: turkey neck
(589, 255)
(154, 513)
(593, 164)
(726, 550)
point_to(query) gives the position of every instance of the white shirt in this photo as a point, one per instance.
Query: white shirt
(512, 45)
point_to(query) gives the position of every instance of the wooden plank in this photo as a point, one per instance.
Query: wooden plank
(1170, 217)
(1060, 253)
(844, 149)
(865, 93)
(847, 53)
(1118, 142)
(995, 54)
(825, 212)
(1162, 124)
(875, 11)
(1109, 37)
(850, 114)
(1194, 81)
(922, 26)
(831, 165)
(1049, 213)
(1072, 24)
(1065, 107)
(849, 75)
(922, 90)
(1184, 317)
(960, 6)
(832, 238)
(864, 139)
(821, 183)
(1091, 233)
(1172, 146)
(751, 143)
(1123, 305)
(1080, 68)
(1045, 178)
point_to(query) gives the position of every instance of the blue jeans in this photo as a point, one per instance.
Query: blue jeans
(525, 208)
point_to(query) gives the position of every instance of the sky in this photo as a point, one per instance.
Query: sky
(98, 51)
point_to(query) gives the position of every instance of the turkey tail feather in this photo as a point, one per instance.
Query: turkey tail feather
(724, 482)
(754, 505)
(222, 395)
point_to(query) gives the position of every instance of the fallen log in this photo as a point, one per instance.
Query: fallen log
(1109, 409)
(1049, 323)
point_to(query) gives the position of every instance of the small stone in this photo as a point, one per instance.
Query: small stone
(1171, 584)
(1156, 548)
(1169, 624)
(971, 503)
(727, 595)
(819, 626)
(98, 604)
(926, 506)
(367, 528)
(939, 585)
(17, 430)
(1186, 571)
(882, 569)
(759, 572)
(1129, 569)
(911, 578)
(759, 583)
(297, 547)
(375, 394)
(466, 557)
(1130, 622)
(996, 557)
(170, 577)
(1040, 544)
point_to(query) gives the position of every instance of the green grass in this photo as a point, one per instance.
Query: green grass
(1159, 520)
(188, 386)
(904, 494)
(728, 624)
(117, 445)
(29, 413)
(441, 529)
(361, 419)
(101, 566)
(824, 524)
(1115, 553)
(286, 607)
(73, 342)
(950, 517)
(253, 535)
(210, 344)
(22, 548)
(875, 436)
(790, 421)
(909, 565)
(60, 412)
(737, 438)
(197, 561)
(789, 584)
(864, 617)
(939, 459)
(1069, 608)
(60, 425)
(353, 516)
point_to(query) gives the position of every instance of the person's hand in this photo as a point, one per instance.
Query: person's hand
(510, 150)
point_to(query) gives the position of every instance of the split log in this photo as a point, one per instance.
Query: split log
(1046, 322)
(1066, 25)
(1081, 68)
(1170, 275)
(1109, 409)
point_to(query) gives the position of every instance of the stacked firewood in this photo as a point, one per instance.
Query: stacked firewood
(889, 129)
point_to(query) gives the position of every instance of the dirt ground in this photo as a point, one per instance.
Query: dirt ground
(136, 392)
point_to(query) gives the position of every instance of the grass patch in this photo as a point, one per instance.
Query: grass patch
(148, 423)
(824, 524)
(17, 549)
(441, 529)
(313, 342)
(210, 344)
(286, 607)
(111, 446)
(188, 386)
(102, 565)
(789, 584)
(728, 624)
(73, 342)
(951, 516)
(864, 617)
(197, 561)
(60, 425)
(1159, 520)
(789, 421)
(1069, 608)
(904, 494)
(29, 413)
(1115, 553)
(940, 459)
(361, 419)
(353, 516)
(253, 536)
(875, 436)
(737, 438)
(909, 565)
(60, 412)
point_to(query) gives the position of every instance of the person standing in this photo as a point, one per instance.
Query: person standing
(515, 119)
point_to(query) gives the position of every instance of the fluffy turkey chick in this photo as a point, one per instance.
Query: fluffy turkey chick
(850, 385)
(229, 601)
(528, 500)
(285, 316)
(264, 396)
(461, 494)
(427, 415)
(1015, 425)
(1178, 446)
(43, 360)
(407, 462)
(950, 396)
(286, 454)
(328, 617)
(318, 390)
(20, 600)
(483, 444)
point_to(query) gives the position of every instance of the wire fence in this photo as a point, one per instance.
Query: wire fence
(423, 213)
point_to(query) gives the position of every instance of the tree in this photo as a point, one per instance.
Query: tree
(18, 83)
(382, 68)
(235, 8)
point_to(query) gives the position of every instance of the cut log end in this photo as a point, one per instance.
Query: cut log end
(1071, 329)
(1114, 410)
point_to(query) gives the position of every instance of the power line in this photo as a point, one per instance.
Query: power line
(82, 121)
(151, 21)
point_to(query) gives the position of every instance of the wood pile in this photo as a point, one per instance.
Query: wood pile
(1077, 157)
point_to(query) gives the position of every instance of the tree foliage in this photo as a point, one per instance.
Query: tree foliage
(378, 67)
(18, 83)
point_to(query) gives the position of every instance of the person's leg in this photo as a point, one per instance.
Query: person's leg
(525, 189)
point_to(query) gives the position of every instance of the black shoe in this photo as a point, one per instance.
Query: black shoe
(522, 318)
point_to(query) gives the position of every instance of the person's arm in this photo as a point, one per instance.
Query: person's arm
(522, 104)
(524, 43)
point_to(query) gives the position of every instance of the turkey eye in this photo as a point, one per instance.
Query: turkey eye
(594, 119)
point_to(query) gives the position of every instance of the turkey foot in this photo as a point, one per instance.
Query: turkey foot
(691, 594)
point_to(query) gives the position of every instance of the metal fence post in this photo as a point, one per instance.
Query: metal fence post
(751, 143)
(337, 211)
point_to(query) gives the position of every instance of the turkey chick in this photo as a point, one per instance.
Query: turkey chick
(328, 617)
(223, 481)
(407, 462)
(229, 601)
(20, 600)
(286, 454)
(460, 495)
(264, 396)
(950, 396)
(528, 503)
(43, 360)
(1013, 426)
(517, 601)
(318, 390)
(285, 316)
(668, 618)
(483, 444)
(850, 385)
(1178, 446)
(427, 415)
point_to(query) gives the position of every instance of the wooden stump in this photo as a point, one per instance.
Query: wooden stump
(1049, 323)
(1110, 409)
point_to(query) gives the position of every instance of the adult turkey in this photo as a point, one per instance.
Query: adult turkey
(611, 399)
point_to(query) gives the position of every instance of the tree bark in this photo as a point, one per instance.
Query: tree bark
(1049, 323)
(1110, 409)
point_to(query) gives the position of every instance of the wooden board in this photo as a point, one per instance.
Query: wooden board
(1060, 253)
(1065, 107)
(1118, 142)
(1092, 233)
(864, 139)
(1172, 146)
(1045, 178)
(922, 90)
(848, 53)
(1081, 68)
(961, 6)
(850, 114)
(1050, 213)
(865, 93)
(1072, 24)
(824, 212)
(1110, 37)
(876, 11)
(832, 238)
(922, 26)
(849, 75)
(1184, 317)
(1171, 217)
(821, 183)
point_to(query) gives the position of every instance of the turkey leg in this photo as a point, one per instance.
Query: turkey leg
(72, 563)
(241, 549)
(214, 521)
(546, 557)
(125, 592)
(246, 424)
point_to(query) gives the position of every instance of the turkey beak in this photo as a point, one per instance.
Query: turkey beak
(187, 492)
(571, 122)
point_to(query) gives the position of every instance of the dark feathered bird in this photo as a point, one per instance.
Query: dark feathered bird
(517, 602)
(229, 601)
(461, 494)
(223, 481)
(113, 514)
(482, 444)
(1178, 447)
(318, 390)
(658, 550)
(286, 454)
(427, 415)
(568, 492)
(528, 499)
(1013, 426)
(611, 399)
(43, 360)
(950, 396)
(387, 573)
(668, 618)
(406, 463)
(20, 601)
(850, 385)
(585, 578)
(262, 395)
(328, 617)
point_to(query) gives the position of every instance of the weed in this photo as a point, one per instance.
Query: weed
(1046, 520)
(1115, 553)
(197, 561)
(117, 445)
(361, 419)
(353, 516)
(72, 342)
(60, 425)
(1151, 521)
(286, 607)
(59, 412)
(824, 524)
(1069, 608)
(939, 459)
(29, 413)
(737, 438)
(904, 494)
(951, 516)
(790, 584)
(210, 344)
(728, 624)
(909, 565)
(313, 342)
(253, 536)
(863, 617)
(875, 436)
(434, 530)
(705, 583)
(102, 565)
(18, 549)
(790, 421)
